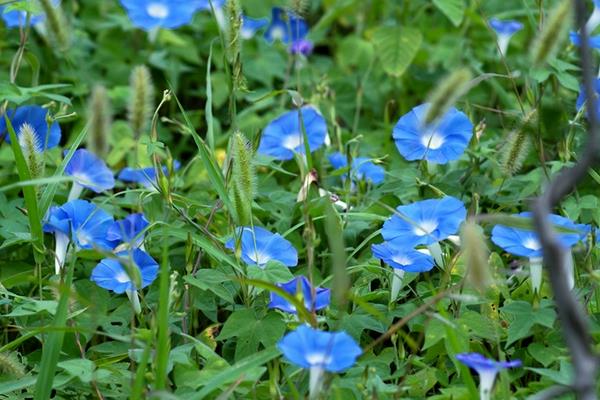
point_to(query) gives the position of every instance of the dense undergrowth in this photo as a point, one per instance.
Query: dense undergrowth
(271, 199)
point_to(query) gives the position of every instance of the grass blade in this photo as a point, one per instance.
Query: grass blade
(53, 345)
(29, 194)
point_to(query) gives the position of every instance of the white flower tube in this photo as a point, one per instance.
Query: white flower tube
(503, 41)
(436, 252)
(75, 192)
(535, 272)
(593, 21)
(60, 251)
(397, 277)
(135, 300)
(316, 375)
(570, 269)
(486, 384)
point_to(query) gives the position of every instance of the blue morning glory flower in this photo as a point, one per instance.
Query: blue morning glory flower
(301, 288)
(110, 273)
(403, 258)
(90, 172)
(424, 222)
(504, 31)
(144, 176)
(440, 143)
(576, 40)
(526, 243)
(329, 351)
(35, 116)
(259, 246)
(487, 370)
(81, 222)
(251, 25)
(88, 224)
(16, 18)
(203, 5)
(283, 136)
(301, 46)
(581, 99)
(285, 26)
(363, 169)
(508, 27)
(128, 230)
(150, 14)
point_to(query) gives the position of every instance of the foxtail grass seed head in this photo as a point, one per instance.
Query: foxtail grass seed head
(552, 33)
(300, 7)
(32, 150)
(100, 119)
(243, 178)
(234, 26)
(11, 366)
(517, 146)
(515, 151)
(56, 24)
(476, 255)
(140, 99)
(447, 93)
(234, 42)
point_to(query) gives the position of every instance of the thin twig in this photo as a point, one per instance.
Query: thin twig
(571, 313)
(418, 311)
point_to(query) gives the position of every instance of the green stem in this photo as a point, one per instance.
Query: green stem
(51, 348)
(163, 347)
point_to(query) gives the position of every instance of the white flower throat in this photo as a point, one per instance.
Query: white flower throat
(401, 259)
(157, 10)
(292, 141)
(425, 227)
(432, 140)
(318, 359)
(532, 244)
(259, 257)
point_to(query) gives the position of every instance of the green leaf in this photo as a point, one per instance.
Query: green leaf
(80, 368)
(17, 384)
(453, 9)
(237, 371)
(396, 47)
(273, 272)
(522, 317)
(214, 281)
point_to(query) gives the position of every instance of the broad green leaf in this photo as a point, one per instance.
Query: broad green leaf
(214, 281)
(236, 371)
(453, 9)
(273, 272)
(80, 368)
(522, 317)
(396, 47)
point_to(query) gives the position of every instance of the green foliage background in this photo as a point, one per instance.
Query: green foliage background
(373, 62)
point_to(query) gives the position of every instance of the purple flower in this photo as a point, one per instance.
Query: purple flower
(301, 288)
(285, 26)
(487, 370)
(301, 46)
